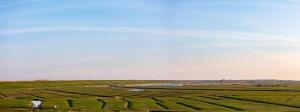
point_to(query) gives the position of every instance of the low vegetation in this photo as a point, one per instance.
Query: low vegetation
(107, 96)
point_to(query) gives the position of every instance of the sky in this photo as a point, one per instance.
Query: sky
(149, 39)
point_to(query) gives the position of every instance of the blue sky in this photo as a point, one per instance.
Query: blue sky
(151, 39)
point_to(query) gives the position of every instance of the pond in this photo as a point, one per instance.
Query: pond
(157, 84)
(136, 90)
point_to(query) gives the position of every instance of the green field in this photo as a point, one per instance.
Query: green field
(127, 96)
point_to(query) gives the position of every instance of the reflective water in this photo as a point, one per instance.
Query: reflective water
(157, 84)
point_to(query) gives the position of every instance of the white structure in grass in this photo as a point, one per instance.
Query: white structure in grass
(36, 103)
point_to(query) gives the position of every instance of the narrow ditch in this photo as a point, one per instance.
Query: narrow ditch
(88, 94)
(289, 99)
(30, 94)
(71, 103)
(23, 107)
(217, 104)
(103, 103)
(128, 104)
(159, 103)
(162, 105)
(189, 106)
(2, 94)
(157, 100)
(259, 101)
(167, 111)
(208, 97)
(59, 94)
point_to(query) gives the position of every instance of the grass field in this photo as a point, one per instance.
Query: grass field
(129, 96)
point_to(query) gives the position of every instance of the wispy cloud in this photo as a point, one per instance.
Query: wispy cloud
(246, 36)
(18, 3)
(294, 1)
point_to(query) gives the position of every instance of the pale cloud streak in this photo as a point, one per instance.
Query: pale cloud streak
(258, 37)
(247, 41)
(294, 1)
(18, 3)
